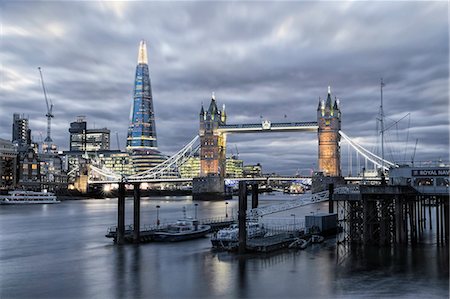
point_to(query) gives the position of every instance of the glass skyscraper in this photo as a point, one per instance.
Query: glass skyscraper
(141, 137)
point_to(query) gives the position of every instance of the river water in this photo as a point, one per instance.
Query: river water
(59, 251)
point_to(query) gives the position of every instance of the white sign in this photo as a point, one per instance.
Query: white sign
(266, 125)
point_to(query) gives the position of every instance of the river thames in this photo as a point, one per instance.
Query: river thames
(60, 251)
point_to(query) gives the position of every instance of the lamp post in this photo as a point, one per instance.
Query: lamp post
(226, 209)
(196, 205)
(157, 215)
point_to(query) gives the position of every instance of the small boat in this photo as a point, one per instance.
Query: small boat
(20, 197)
(300, 243)
(183, 229)
(317, 239)
(228, 238)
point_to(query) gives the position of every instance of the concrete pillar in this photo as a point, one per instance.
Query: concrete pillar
(242, 217)
(255, 196)
(330, 198)
(121, 214)
(137, 213)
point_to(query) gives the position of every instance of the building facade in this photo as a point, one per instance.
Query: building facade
(252, 171)
(21, 133)
(329, 122)
(84, 139)
(191, 168)
(8, 165)
(141, 138)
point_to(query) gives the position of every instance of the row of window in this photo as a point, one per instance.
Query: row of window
(438, 182)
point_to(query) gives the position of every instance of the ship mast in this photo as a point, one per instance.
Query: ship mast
(382, 124)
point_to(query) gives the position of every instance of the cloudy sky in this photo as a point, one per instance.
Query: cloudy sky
(260, 58)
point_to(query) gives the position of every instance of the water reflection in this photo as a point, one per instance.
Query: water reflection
(65, 245)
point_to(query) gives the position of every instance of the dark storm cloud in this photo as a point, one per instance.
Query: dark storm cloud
(262, 59)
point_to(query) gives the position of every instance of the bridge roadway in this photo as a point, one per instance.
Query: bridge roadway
(267, 126)
(259, 179)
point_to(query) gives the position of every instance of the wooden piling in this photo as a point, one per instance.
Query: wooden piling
(242, 217)
(429, 212)
(137, 213)
(255, 195)
(330, 198)
(437, 221)
(121, 214)
(441, 209)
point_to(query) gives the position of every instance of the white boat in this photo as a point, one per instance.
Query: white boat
(229, 237)
(19, 197)
(184, 229)
(317, 239)
(300, 243)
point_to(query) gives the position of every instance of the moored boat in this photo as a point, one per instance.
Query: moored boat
(317, 239)
(300, 243)
(229, 237)
(183, 229)
(19, 197)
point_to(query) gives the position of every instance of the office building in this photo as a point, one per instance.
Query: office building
(141, 138)
(8, 165)
(84, 139)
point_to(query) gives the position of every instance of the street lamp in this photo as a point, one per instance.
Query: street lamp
(226, 209)
(196, 205)
(157, 215)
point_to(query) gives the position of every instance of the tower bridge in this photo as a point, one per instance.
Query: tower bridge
(211, 143)
(213, 135)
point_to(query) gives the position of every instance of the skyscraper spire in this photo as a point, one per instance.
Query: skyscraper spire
(142, 56)
(141, 138)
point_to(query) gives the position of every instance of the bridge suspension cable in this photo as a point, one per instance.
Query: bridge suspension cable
(385, 164)
(170, 166)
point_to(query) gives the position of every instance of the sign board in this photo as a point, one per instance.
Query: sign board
(430, 172)
(266, 125)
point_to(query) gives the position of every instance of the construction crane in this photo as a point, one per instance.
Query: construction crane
(48, 140)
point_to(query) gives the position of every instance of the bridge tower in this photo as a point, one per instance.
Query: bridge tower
(329, 122)
(210, 184)
(213, 143)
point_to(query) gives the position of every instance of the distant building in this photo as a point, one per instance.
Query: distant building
(29, 171)
(191, 168)
(21, 133)
(53, 175)
(141, 138)
(234, 168)
(76, 163)
(8, 165)
(252, 171)
(84, 139)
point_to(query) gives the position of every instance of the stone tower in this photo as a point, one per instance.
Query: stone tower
(213, 143)
(329, 122)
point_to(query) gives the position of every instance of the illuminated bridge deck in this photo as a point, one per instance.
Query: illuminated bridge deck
(266, 126)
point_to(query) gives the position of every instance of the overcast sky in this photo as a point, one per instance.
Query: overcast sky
(260, 58)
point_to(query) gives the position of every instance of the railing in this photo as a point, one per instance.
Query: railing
(305, 200)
